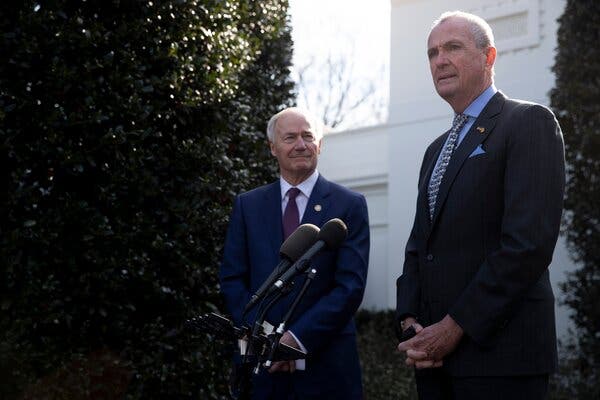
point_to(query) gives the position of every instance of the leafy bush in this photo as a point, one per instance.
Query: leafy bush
(384, 374)
(125, 129)
(576, 102)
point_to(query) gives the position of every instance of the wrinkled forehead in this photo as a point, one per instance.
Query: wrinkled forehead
(452, 28)
(293, 122)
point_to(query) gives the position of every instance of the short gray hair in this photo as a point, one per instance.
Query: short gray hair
(315, 123)
(481, 30)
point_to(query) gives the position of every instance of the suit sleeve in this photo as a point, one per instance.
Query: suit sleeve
(234, 271)
(533, 196)
(407, 285)
(321, 322)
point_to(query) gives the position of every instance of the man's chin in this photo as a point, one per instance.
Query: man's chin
(445, 90)
(303, 169)
(302, 164)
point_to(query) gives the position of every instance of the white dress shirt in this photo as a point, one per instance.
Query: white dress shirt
(306, 189)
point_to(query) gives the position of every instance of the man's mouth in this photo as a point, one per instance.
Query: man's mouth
(442, 78)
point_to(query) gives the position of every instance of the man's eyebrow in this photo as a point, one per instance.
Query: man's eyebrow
(296, 133)
(452, 42)
(444, 44)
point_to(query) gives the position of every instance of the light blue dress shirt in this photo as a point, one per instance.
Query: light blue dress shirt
(472, 111)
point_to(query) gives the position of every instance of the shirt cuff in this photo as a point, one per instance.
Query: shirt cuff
(301, 363)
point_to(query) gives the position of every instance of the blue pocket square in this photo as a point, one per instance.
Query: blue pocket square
(478, 150)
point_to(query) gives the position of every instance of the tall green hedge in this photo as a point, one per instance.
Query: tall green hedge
(385, 375)
(125, 129)
(576, 101)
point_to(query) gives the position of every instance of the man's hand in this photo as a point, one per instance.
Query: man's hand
(286, 366)
(421, 360)
(430, 345)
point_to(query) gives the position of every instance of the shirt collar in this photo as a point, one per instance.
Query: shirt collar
(305, 187)
(475, 108)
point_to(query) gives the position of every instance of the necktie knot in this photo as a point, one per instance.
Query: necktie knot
(459, 120)
(293, 193)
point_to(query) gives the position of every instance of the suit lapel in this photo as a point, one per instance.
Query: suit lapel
(480, 130)
(318, 203)
(272, 215)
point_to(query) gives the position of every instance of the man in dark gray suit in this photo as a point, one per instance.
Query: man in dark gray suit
(475, 285)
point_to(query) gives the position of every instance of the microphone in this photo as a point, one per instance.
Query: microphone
(292, 248)
(331, 236)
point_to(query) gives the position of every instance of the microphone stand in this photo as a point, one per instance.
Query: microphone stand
(244, 384)
(276, 337)
(258, 326)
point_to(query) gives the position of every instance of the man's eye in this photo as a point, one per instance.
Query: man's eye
(308, 138)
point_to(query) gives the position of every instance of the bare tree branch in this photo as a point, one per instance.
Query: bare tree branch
(331, 89)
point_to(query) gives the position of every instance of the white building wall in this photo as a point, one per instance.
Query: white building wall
(383, 161)
(359, 159)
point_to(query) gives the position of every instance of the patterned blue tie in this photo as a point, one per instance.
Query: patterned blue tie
(438, 173)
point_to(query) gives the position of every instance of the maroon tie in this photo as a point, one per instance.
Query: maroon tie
(291, 216)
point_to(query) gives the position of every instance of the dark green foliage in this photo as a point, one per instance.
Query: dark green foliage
(576, 101)
(125, 129)
(385, 376)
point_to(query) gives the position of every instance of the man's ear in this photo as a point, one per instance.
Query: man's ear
(490, 58)
(272, 147)
(319, 146)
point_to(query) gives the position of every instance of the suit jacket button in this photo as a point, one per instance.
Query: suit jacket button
(429, 257)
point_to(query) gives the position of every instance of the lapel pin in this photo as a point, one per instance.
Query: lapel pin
(317, 207)
(481, 129)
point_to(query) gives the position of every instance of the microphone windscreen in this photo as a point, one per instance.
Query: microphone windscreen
(299, 241)
(333, 233)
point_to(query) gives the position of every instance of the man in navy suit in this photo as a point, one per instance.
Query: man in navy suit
(475, 284)
(323, 323)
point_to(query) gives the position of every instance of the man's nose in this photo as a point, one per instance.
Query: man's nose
(300, 144)
(441, 58)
